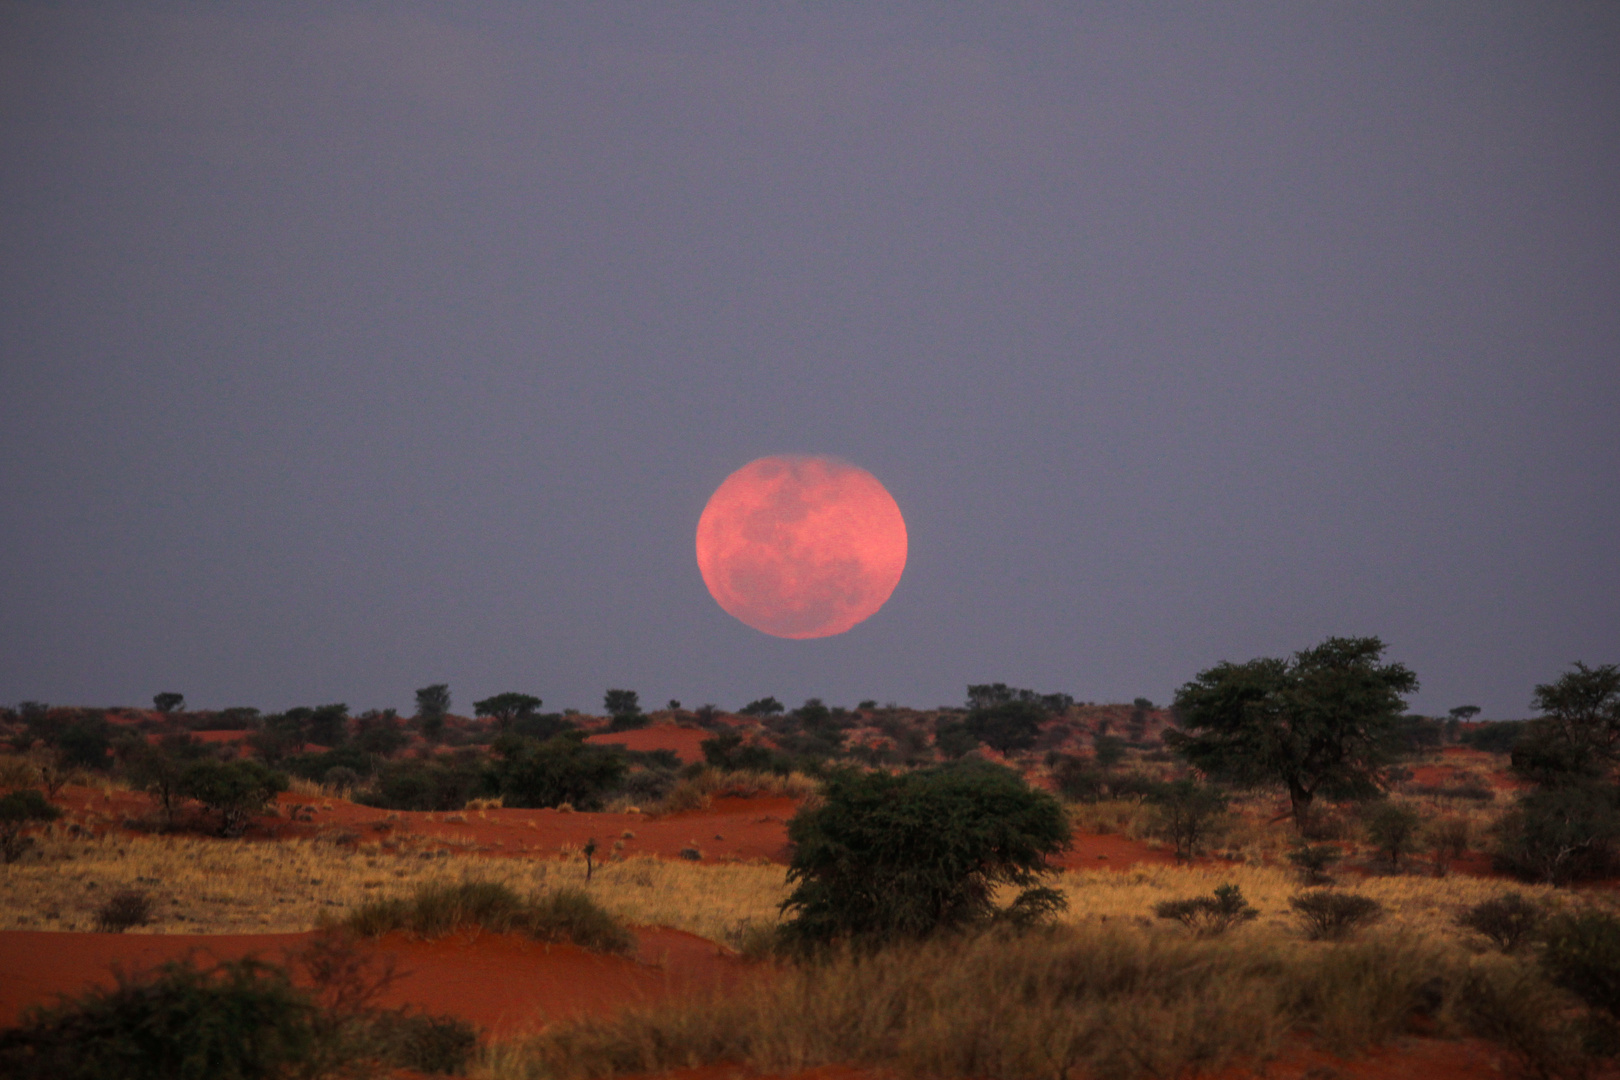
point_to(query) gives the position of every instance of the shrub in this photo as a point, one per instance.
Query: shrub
(1209, 916)
(440, 908)
(425, 785)
(1448, 838)
(1393, 828)
(1583, 957)
(429, 1044)
(1333, 916)
(885, 857)
(1312, 861)
(124, 909)
(1186, 812)
(565, 769)
(1495, 737)
(1507, 921)
(240, 1020)
(235, 790)
(1561, 834)
(18, 810)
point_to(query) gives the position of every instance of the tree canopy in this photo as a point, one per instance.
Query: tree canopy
(506, 708)
(886, 856)
(1323, 722)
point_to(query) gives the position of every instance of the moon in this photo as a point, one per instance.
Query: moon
(801, 546)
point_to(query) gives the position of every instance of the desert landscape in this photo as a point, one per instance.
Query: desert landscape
(677, 844)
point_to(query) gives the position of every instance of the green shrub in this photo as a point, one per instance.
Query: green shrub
(1507, 921)
(1186, 813)
(885, 856)
(1313, 860)
(440, 908)
(565, 769)
(426, 785)
(240, 1020)
(1583, 957)
(124, 909)
(18, 810)
(1209, 916)
(1333, 916)
(1495, 737)
(1562, 834)
(236, 790)
(429, 1044)
(1393, 828)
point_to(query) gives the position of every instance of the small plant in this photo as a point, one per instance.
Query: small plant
(1448, 839)
(1209, 916)
(124, 909)
(1329, 915)
(441, 908)
(1507, 921)
(19, 809)
(241, 1019)
(1583, 957)
(1186, 813)
(1393, 828)
(1313, 860)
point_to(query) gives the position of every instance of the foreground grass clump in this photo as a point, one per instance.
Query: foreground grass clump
(1096, 1001)
(440, 908)
(237, 1020)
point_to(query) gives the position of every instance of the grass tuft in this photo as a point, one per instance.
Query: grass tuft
(439, 908)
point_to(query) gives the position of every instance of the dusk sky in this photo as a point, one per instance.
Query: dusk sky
(351, 347)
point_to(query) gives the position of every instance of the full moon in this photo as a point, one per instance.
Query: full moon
(801, 547)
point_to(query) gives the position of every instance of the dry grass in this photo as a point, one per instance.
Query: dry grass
(219, 886)
(1098, 1001)
(215, 886)
(697, 792)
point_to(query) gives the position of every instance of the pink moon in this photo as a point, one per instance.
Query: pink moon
(801, 547)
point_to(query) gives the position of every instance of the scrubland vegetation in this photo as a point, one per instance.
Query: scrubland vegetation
(918, 926)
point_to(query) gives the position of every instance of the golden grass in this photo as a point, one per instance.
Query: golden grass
(222, 886)
(1097, 1001)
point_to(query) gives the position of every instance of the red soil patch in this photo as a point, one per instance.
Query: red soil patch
(685, 741)
(500, 982)
(1091, 851)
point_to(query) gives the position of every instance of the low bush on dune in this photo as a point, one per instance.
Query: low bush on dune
(1095, 1001)
(1209, 916)
(237, 1020)
(439, 908)
(1329, 915)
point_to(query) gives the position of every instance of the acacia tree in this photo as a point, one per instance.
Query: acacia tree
(1322, 722)
(506, 709)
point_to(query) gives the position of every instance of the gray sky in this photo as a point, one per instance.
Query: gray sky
(348, 347)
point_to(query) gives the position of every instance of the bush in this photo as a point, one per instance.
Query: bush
(1333, 916)
(1393, 828)
(1507, 921)
(429, 1044)
(240, 1020)
(565, 769)
(235, 790)
(1561, 834)
(885, 857)
(18, 810)
(1209, 916)
(1186, 813)
(440, 908)
(426, 785)
(1078, 780)
(1312, 861)
(1498, 737)
(1583, 957)
(124, 909)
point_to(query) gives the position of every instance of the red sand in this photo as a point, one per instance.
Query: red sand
(685, 741)
(500, 982)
